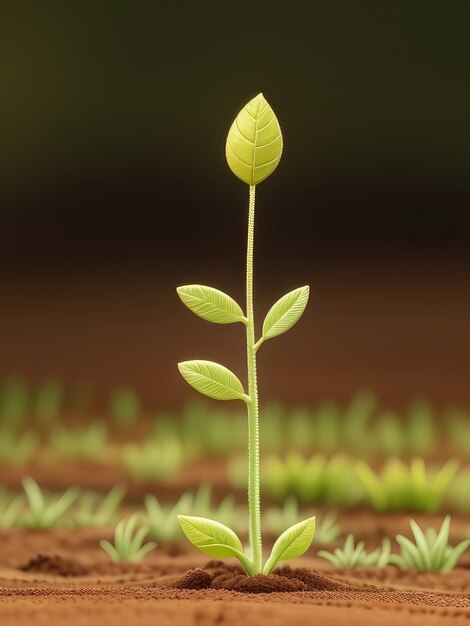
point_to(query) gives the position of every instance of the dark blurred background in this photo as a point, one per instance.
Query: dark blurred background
(114, 189)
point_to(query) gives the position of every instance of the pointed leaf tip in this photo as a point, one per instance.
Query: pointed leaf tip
(254, 142)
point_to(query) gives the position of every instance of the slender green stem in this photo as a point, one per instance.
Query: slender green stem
(254, 511)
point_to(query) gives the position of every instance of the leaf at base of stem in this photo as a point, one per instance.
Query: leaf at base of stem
(214, 539)
(293, 542)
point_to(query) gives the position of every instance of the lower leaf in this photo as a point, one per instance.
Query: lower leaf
(293, 542)
(244, 560)
(214, 539)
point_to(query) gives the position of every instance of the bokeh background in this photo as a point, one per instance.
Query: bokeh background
(114, 189)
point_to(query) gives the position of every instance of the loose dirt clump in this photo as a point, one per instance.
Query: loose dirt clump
(55, 565)
(194, 579)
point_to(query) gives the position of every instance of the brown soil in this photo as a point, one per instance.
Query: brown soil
(218, 575)
(62, 577)
(103, 476)
(55, 565)
(369, 323)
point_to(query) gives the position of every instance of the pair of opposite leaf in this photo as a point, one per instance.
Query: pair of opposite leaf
(253, 151)
(216, 539)
(215, 380)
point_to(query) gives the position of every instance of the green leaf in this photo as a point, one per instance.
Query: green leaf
(421, 544)
(293, 542)
(454, 556)
(285, 312)
(212, 379)
(254, 142)
(440, 544)
(211, 304)
(213, 538)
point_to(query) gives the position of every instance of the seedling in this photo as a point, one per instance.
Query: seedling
(253, 151)
(350, 555)
(279, 518)
(421, 431)
(389, 436)
(356, 418)
(47, 401)
(92, 510)
(314, 480)
(458, 429)
(459, 490)
(161, 519)
(430, 550)
(10, 510)
(153, 460)
(17, 449)
(203, 505)
(86, 443)
(42, 514)
(128, 542)
(14, 401)
(124, 407)
(402, 488)
(327, 529)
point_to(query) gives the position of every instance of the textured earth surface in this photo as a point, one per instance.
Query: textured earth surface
(62, 577)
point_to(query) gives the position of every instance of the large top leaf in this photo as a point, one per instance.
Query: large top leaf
(211, 304)
(254, 142)
(285, 312)
(292, 543)
(212, 379)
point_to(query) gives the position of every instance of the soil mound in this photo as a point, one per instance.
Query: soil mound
(194, 579)
(55, 565)
(217, 575)
(257, 584)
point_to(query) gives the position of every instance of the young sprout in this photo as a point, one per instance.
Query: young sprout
(458, 429)
(280, 518)
(161, 521)
(89, 513)
(327, 529)
(47, 401)
(421, 432)
(17, 449)
(389, 436)
(43, 514)
(154, 460)
(86, 443)
(204, 506)
(124, 407)
(128, 542)
(430, 550)
(402, 488)
(459, 490)
(14, 401)
(317, 479)
(356, 418)
(350, 555)
(253, 151)
(10, 510)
